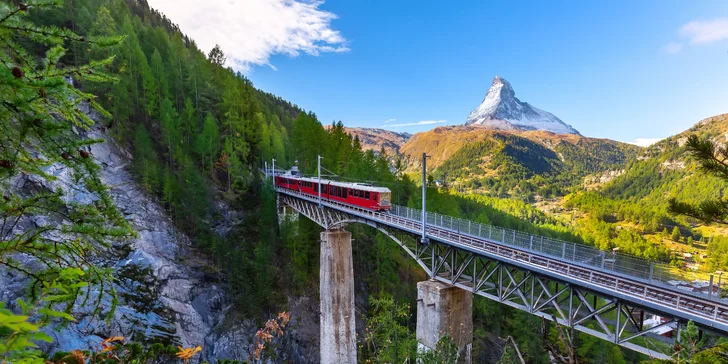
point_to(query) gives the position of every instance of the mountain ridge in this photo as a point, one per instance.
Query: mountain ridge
(502, 110)
(377, 139)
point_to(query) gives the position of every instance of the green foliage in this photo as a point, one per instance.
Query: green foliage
(689, 343)
(116, 351)
(387, 338)
(712, 160)
(40, 119)
(675, 236)
(506, 165)
(446, 352)
(714, 355)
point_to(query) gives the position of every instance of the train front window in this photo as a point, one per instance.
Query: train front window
(385, 198)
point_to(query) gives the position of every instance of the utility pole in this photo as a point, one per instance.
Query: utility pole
(319, 179)
(274, 170)
(424, 198)
(265, 167)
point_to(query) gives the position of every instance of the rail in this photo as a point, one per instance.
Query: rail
(588, 256)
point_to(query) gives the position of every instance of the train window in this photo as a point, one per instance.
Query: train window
(375, 196)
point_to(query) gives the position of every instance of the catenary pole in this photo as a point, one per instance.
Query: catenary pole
(319, 180)
(424, 197)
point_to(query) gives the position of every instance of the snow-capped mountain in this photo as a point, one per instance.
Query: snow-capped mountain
(502, 110)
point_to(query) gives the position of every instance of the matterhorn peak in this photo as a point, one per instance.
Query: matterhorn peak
(502, 110)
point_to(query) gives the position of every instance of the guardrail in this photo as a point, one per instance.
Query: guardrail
(585, 255)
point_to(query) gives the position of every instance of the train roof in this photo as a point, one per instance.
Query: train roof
(358, 186)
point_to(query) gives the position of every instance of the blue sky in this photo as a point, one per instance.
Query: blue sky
(618, 69)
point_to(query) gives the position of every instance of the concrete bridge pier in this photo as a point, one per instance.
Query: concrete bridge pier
(338, 335)
(443, 309)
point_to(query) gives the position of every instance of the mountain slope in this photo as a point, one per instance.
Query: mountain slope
(664, 169)
(376, 139)
(486, 160)
(502, 110)
(638, 199)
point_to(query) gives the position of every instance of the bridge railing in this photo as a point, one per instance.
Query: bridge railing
(627, 265)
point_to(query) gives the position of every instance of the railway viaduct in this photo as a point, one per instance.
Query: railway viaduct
(628, 301)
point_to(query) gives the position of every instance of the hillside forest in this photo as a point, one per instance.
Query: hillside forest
(199, 133)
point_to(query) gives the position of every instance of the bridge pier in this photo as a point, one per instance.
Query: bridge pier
(443, 309)
(338, 335)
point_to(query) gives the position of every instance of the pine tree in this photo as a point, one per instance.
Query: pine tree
(145, 158)
(171, 132)
(217, 56)
(713, 159)
(689, 343)
(157, 67)
(39, 117)
(675, 234)
(207, 143)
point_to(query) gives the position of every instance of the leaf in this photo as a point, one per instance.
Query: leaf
(41, 336)
(54, 313)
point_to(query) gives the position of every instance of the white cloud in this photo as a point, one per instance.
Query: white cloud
(705, 31)
(673, 47)
(645, 142)
(250, 32)
(423, 122)
(390, 120)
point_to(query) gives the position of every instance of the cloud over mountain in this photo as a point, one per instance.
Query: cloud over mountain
(250, 32)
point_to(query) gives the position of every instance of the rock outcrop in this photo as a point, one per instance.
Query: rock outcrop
(166, 290)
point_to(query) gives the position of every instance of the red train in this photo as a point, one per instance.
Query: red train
(356, 194)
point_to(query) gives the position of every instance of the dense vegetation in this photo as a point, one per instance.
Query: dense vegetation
(638, 200)
(528, 165)
(39, 122)
(199, 133)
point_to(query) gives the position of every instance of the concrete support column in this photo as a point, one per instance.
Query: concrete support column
(443, 309)
(338, 335)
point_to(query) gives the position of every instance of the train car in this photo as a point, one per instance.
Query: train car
(355, 194)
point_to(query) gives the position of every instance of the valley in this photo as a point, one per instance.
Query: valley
(608, 193)
(158, 206)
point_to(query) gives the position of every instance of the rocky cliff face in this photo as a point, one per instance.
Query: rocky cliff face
(166, 290)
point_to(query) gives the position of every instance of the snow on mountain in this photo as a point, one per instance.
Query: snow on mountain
(502, 110)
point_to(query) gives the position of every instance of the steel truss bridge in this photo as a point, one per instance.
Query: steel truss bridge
(577, 293)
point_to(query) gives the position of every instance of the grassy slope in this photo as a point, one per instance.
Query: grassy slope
(484, 160)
